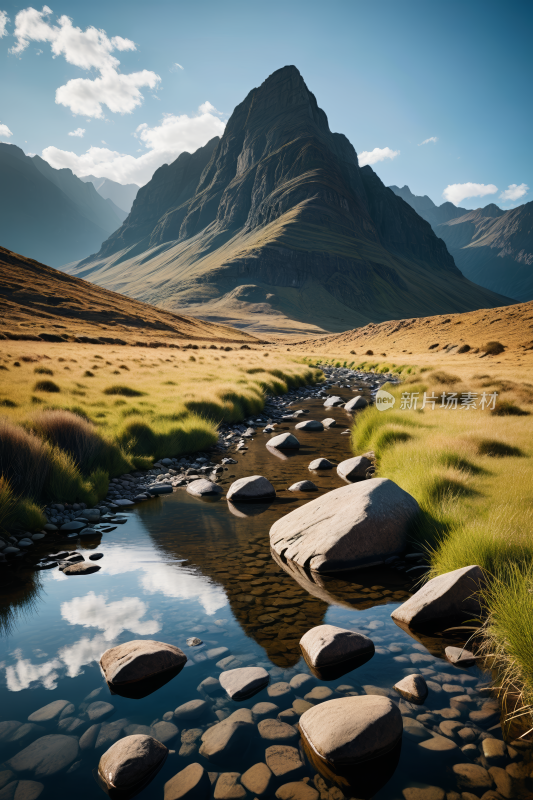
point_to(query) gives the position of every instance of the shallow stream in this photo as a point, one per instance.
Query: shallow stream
(182, 567)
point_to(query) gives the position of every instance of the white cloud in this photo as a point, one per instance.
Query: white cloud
(377, 154)
(4, 19)
(92, 611)
(88, 49)
(513, 192)
(164, 143)
(433, 139)
(457, 192)
(23, 673)
(178, 65)
(78, 132)
(5, 133)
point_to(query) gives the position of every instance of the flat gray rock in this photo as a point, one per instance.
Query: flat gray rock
(460, 656)
(353, 468)
(164, 731)
(131, 763)
(242, 683)
(309, 425)
(320, 463)
(329, 422)
(123, 502)
(413, 688)
(203, 488)
(255, 487)
(81, 568)
(48, 712)
(73, 527)
(303, 486)
(355, 403)
(284, 441)
(139, 659)
(444, 597)
(192, 783)
(229, 737)
(160, 488)
(333, 400)
(191, 710)
(328, 645)
(357, 525)
(352, 729)
(46, 756)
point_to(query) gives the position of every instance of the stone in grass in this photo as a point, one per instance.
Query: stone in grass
(445, 597)
(329, 422)
(191, 710)
(309, 425)
(357, 525)
(303, 486)
(131, 763)
(255, 487)
(284, 441)
(48, 712)
(272, 730)
(239, 684)
(356, 402)
(22, 790)
(297, 790)
(257, 779)
(327, 647)
(320, 463)
(192, 783)
(228, 787)
(140, 659)
(352, 730)
(46, 756)
(460, 656)
(413, 688)
(283, 761)
(203, 488)
(81, 568)
(353, 468)
(229, 737)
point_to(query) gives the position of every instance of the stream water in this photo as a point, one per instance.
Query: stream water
(181, 567)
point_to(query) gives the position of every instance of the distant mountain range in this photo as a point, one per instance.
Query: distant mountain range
(276, 227)
(50, 214)
(490, 246)
(121, 194)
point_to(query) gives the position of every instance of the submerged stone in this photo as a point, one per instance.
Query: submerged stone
(131, 763)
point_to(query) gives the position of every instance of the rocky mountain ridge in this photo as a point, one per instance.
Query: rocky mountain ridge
(276, 225)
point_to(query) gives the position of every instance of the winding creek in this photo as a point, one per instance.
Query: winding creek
(183, 567)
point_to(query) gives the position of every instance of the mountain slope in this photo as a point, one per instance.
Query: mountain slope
(275, 226)
(491, 247)
(37, 301)
(121, 194)
(49, 214)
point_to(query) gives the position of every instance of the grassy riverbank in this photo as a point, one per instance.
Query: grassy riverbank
(471, 470)
(72, 416)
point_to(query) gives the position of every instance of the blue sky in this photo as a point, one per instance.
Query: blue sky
(164, 77)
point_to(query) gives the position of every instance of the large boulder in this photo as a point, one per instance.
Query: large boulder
(329, 646)
(131, 763)
(353, 468)
(356, 526)
(447, 596)
(352, 730)
(192, 783)
(229, 737)
(244, 682)
(140, 659)
(356, 402)
(249, 489)
(284, 441)
(46, 756)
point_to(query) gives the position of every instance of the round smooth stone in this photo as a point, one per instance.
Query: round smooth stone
(309, 425)
(303, 486)
(320, 463)
(284, 441)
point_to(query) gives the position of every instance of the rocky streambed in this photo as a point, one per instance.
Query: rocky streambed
(197, 572)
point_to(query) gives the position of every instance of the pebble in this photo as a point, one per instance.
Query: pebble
(283, 760)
